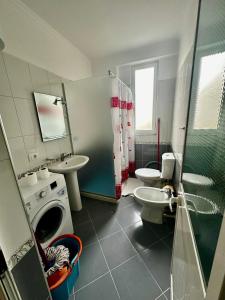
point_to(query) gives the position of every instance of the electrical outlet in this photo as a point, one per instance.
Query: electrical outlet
(32, 155)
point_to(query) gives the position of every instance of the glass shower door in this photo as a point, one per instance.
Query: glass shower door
(204, 159)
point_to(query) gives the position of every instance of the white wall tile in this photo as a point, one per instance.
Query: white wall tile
(145, 139)
(4, 82)
(3, 149)
(27, 116)
(166, 92)
(19, 154)
(39, 79)
(65, 145)
(52, 149)
(19, 77)
(55, 84)
(14, 229)
(34, 143)
(9, 117)
(67, 125)
(19, 112)
(165, 85)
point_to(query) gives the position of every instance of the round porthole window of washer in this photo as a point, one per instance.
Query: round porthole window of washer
(48, 224)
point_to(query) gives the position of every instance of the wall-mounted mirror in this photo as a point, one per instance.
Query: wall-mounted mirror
(50, 116)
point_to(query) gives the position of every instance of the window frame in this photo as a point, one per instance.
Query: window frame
(202, 52)
(153, 65)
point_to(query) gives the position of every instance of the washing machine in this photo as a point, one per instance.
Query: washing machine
(48, 208)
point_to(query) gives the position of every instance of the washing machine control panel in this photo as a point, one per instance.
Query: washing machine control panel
(42, 193)
(61, 192)
(38, 195)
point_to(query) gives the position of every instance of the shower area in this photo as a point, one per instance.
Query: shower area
(101, 118)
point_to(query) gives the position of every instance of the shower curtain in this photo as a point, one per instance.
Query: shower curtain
(122, 108)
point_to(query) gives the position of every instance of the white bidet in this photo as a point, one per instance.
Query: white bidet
(154, 201)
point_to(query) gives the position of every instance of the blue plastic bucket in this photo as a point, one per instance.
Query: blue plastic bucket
(62, 289)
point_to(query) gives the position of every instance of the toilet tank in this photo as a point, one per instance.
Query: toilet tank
(168, 163)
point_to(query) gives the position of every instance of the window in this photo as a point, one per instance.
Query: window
(144, 85)
(209, 92)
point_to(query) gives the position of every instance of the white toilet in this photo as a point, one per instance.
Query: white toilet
(153, 199)
(153, 177)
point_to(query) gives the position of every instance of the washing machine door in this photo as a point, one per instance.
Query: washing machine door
(48, 221)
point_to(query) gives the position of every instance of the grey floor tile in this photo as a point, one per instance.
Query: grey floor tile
(100, 208)
(134, 282)
(158, 260)
(86, 233)
(168, 241)
(72, 297)
(92, 265)
(117, 249)
(128, 215)
(80, 217)
(162, 297)
(161, 230)
(105, 225)
(102, 289)
(141, 236)
(107, 219)
(138, 207)
(125, 201)
(167, 294)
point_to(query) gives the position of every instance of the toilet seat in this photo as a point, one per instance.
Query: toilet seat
(147, 173)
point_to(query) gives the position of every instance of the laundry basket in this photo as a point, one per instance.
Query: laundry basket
(62, 289)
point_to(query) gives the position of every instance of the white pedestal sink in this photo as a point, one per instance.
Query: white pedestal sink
(69, 168)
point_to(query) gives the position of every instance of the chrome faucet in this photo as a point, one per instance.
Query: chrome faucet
(168, 192)
(64, 155)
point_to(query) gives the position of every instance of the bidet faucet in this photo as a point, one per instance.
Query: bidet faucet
(168, 191)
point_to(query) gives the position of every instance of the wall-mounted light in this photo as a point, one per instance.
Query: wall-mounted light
(59, 100)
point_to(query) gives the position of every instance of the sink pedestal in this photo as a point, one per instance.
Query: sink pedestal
(73, 191)
(69, 168)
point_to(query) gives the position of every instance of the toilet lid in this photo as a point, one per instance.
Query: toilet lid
(197, 179)
(148, 173)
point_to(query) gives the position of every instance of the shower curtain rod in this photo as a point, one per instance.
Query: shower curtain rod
(113, 75)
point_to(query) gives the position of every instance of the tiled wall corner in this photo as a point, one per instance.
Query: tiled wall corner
(12, 212)
(15, 236)
(18, 80)
(145, 153)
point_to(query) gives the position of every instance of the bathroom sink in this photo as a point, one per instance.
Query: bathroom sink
(69, 168)
(74, 163)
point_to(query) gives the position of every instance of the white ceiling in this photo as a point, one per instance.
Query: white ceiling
(104, 27)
